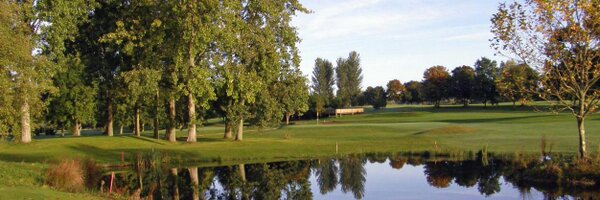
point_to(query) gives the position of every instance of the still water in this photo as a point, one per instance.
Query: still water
(346, 177)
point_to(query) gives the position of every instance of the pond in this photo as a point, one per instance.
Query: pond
(344, 177)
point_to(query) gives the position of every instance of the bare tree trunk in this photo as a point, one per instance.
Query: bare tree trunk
(514, 107)
(25, 122)
(109, 116)
(171, 134)
(121, 130)
(76, 129)
(156, 108)
(287, 118)
(465, 103)
(192, 118)
(582, 145)
(195, 183)
(228, 130)
(137, 122)
(484, 103)
(239, 136)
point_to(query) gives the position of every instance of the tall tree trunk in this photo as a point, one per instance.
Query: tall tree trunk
(137, 122)
(121, 129)
(175, 186)
(465, 103)
(76, 129)
(514, 106)
(171, 134)
(192, 118)
(109, 116)
(25, 122)
(484, 103)
(582, 145)
(195, 183)
(228, 130)
(287, 118)
(239, 136)
(156, 124)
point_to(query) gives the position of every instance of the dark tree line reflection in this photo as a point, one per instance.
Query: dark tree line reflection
(291, 179)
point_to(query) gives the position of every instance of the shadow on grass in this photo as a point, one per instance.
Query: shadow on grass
(114, 155)
(459, 108)
(489, 120)
(146, 139)
(23, 157)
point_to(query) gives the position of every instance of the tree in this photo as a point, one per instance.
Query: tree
(349, 79)
(463, 84)
(74, 103)
(395, 90)
(561, 39)
(102, 59)
(139, 38)
(11, 58)
(196, 28)
(435, 84)
(259, 42)
(414, 92)
(376, 96)
(323, 80)
(486, 72)
(27, 27)
(293, 93)
(516, 82)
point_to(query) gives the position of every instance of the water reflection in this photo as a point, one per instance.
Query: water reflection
(354, 176)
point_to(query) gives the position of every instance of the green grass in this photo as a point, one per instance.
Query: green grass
(388, 130)
(394, 129)
(24, 181)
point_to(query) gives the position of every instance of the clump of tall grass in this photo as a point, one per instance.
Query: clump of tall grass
(546, 148)
(66, 175)
(73, 175)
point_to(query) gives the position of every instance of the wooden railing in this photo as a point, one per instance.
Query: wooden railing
(349, 111)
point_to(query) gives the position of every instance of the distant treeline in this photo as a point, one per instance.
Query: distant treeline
(485, 83)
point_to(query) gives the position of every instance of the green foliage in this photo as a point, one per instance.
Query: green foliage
(293, 92)
(377, 97)
(395, 90)
(463, 83)
(414, 92)
(75, 102)
(349, 78)
(517, 81)
(435, 84)
(486, 73)
(323, 80)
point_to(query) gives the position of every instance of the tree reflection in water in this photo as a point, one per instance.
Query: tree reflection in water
(292, 179)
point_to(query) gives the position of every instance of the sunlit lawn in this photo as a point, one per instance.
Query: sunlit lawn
(395, 129)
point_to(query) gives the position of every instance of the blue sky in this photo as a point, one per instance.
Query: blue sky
(396, 39)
